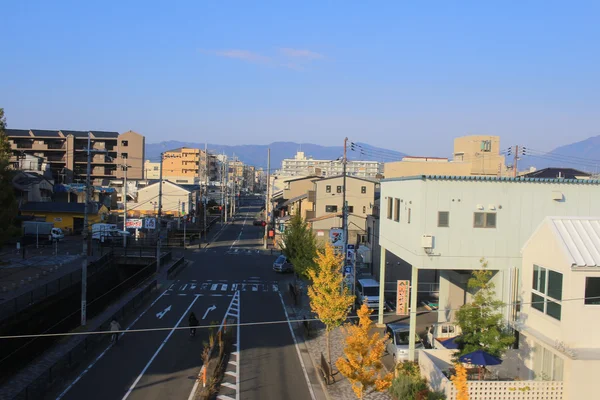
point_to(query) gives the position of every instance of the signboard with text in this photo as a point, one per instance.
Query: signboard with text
(134, 223)
(336, 237)
(402, 297)
(150, 223)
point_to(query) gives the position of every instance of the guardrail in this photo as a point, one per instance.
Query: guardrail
(58, 372)
(37, 294)
(175, 268)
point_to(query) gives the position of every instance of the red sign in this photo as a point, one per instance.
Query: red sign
(271, 233)
(402, 297)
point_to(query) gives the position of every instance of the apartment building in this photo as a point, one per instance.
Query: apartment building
(66, 152)
(151, 170)
(327, 199)
(301, 165)
(477, 155)
(187, 165)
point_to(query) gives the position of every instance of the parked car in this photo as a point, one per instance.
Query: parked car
(397, 346)
(259, 222)
(282, 265)
(367, 289)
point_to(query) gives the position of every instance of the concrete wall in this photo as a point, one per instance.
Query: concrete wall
(136, 154)
(399, 169)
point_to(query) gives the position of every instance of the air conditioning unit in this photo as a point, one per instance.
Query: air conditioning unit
(427, 241)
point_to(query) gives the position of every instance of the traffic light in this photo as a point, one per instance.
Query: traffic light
(264, 224)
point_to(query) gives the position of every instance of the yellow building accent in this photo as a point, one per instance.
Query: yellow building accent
(66, 220)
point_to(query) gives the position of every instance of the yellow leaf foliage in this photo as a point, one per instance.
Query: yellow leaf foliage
(327, 300)
(460, 382)
(362, 362)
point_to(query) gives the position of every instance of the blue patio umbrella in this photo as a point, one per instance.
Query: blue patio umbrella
(480, 357)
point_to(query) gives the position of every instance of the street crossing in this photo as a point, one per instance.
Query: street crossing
(222, 287)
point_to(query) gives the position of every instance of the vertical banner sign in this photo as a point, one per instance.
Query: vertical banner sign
(336, 237)
(402, 297)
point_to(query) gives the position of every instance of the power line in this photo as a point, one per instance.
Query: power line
(262, 323)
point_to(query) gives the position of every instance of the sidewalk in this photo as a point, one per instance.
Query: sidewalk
(317, 345)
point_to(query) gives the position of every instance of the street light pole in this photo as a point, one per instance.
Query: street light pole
(159, 214)
(205, 192)
(84, 266)
(267, 197)
(125, 202)
(344, 210)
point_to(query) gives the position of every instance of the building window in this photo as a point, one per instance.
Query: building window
(443, 219)
(339, 189)
(546, 293)
(397, 210)
(547, 366)
(328, 188)
(486, 146)
(363, 189)
(330, 209)
(484, 220)
(592, 290)
(408, 219)
(124, 143)
(350, 209)
(155, 168)
(364, 209)
(390, 207)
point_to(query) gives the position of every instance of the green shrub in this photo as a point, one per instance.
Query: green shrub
(409, 368)
(405, 387)
(436, 396)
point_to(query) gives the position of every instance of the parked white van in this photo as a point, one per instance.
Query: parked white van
(367, 289)
(397, 346)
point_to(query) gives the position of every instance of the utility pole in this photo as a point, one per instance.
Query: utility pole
(125, 201)
(226, 202)
(222, 180)
(516, 160)
(85, 236)
(267, 196)
(159, 214)
(233, 186)
(344, 208)
(205, 191)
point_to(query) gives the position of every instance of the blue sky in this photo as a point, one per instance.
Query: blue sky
(408, 77)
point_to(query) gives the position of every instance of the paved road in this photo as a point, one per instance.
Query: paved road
(163, 364)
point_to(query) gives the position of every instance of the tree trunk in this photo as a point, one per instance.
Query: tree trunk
(329, 354)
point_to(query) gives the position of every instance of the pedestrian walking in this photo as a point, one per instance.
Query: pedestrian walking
(115, 327)
(193, 322)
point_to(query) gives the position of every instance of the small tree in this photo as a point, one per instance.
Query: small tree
(329, 299)
(364, 349)
(481, 321)
(300, 245)
(460, 382)
(8, 202)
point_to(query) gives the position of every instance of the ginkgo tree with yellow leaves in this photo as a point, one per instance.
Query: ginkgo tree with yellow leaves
(460, 382)
(329, 299)
(362, 362)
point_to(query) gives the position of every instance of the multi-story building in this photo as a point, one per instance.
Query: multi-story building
(301, 165)
(477, 155)
(151, 170)
(66, 152)
(189, 166)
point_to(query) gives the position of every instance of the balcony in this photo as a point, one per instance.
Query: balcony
(312, 196)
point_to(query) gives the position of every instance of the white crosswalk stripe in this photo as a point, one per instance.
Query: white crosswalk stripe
(253, 285)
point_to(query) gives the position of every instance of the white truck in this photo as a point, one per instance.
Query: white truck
(42, 231)
(105, 232)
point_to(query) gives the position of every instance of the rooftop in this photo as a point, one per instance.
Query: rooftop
(59, 207)
(491, 179)
(560, 173)
(580, 237)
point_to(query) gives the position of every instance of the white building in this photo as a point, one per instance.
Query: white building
(301, 165)
(560, 314)
(450, 224)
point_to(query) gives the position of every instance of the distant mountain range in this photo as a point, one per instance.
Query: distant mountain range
(583, 155)
(257, 154)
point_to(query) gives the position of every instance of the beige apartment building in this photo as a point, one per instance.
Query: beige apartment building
(152, 170)
(65, 151)
(477, 155)
(187, 165)
(327, 198)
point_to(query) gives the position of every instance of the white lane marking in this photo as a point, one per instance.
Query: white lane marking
(310, 389)
(161, 314)
(223, 397)
(60, 396)
(209, 309)
(214, 286)
(233, 362)
(181, 294)
(216, 295)
(255, 288)
(275, 288)
(183, 287)
(229, 385)
(224, 287)
(192, 286)
(234, 287)
(159, 349)
(192, 395)
(231, 373)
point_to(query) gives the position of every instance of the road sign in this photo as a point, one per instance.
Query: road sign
(348, 270)
(150, 223)
(351, 247)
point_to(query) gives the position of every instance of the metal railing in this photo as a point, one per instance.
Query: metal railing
(37, 294)
(58, 372)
